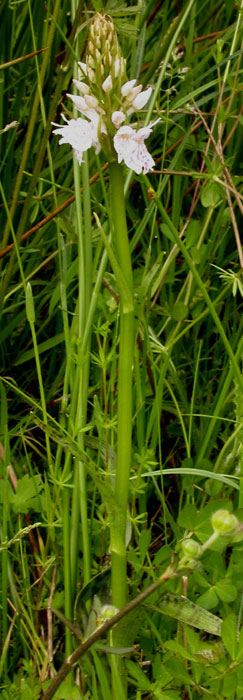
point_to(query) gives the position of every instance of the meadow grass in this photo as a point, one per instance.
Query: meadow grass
(121, 363)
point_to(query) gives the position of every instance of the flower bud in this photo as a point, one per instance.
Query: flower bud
(141, 99)
(83, 67)
(191, 548)
(127, 87)
(91, 101)
(91, 75)
(119, 66)
(223, 522)
(107, 84)
(118, 118)
(82, 87)
(90, 61)
(134, 93)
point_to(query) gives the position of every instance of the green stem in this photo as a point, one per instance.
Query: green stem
(126, 353)
(42, 393)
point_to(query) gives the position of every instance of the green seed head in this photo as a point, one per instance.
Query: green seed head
(106, 613)
(224, 523)
(191, 548)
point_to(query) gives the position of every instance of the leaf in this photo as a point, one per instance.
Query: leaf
(192, 233)
(177, 648)
(225, 591)
(179, 311)
(240, 647)
(133, 559)
(229, 635)
(208, 599)
(173, 695)
(230, 685)
(144, 542)
(199, 254)
(177, 669)
(187, 517)
(136, 672)
(68, 690)
(211, 195)
(190, 613)
(28, 488)
(165, 229)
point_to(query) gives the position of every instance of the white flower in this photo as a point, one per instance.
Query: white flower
(78, 133)
(132, 93)
(117, 118)
(89, 107)
(130, 147)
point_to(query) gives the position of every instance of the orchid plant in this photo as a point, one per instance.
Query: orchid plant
(106, 101)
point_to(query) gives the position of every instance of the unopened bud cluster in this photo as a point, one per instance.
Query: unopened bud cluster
(103, 51)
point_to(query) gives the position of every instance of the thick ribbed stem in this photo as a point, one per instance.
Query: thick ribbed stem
(126, 352)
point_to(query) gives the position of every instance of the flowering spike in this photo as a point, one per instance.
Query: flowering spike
(105, 101)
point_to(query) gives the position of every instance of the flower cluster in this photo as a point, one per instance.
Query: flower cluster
(105, 101)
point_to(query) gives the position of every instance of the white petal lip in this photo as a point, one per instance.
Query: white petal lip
(80, 134)
(76, 132)
(130, 147)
